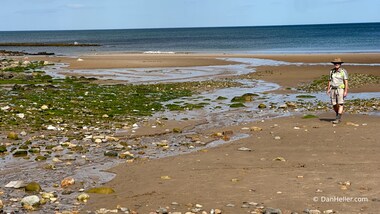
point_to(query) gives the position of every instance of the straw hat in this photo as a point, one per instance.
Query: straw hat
(337, 61)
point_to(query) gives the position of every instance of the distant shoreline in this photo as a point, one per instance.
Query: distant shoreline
(46, 45)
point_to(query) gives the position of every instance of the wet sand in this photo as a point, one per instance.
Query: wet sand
(319, 157)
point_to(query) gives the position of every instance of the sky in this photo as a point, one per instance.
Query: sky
(131, 14)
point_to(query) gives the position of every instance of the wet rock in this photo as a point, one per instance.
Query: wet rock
(32, 200)
(20, 153)
(83, 197)
(3, 149)
(291, 105)
(67, 182)
(47, 195)
(177, 130)
(262, 105)
(12, 136)
(269, 210)
(126, 155)
(33, 187)
(40, 158)
(16, 184)
(34, 150)
(101, 190)
(111, 153)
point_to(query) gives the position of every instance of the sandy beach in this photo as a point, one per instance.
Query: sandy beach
(315, 160)
(286, 163)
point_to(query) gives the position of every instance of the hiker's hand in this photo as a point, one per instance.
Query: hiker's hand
(345, 93)
(328, 91)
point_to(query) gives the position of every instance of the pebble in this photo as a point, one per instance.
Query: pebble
(307, 211)
(270, 210)
(32, 200)
(244, 149)
(277, 138)
(230, 205)
(1, 204)
(16, 184)
(67, 182)
(83, 197)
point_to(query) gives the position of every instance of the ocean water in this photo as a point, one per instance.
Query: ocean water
(363, 37)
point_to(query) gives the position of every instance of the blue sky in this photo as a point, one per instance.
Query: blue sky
(125, 14)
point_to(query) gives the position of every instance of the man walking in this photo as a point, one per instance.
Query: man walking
(338, 88)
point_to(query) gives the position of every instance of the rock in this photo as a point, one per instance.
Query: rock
(12, 136)
(177, 130)
(101, 190)
(277, 138)
(111, 153)
(20, 153)
(47, 195)
(255, 129)
(162, 211)
(83, 197)
(126, 155)
(165, 177)
(291, 105)
(1, 204)
(40, 158)
(262, 105)
(230, 205)
(32, 200)
(16, 184)
(67, 182)
(244, 149)
(218, 211)
(279, 159)
(307, 211)
(328, 211)
(44, 107)
(3, 149)
(269, 210)
(33, 187)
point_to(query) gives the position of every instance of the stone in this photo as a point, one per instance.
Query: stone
(3, 149)
(47, 195)
(1, 204)
(111, 153)
(218, 211)
(33, 187)
(83, 197)
(262, 105)
(67, 182)
(255, 129)
(307, 211)
(328, 211)
(244, 149)
(16, 184)
(32, 200)
(177, 130)
(277, 138)
(40, 158)
(101, 190)
(44, 107)
(12, 136)
(269, 210)
(230, 205)
(279, 159)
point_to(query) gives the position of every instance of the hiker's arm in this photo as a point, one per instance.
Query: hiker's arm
(345, 88)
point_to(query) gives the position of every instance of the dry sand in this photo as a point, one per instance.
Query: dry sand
(319, 156)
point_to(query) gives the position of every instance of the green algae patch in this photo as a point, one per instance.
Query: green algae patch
(101, 190)
(237, 105)
(309, 116)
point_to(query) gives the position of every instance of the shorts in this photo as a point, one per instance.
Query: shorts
(337, 96)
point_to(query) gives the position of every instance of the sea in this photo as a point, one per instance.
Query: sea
(326, 38)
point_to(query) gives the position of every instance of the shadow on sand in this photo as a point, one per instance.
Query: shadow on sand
(327, 119)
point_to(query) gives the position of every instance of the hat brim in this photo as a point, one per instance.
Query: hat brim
(337, 62)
